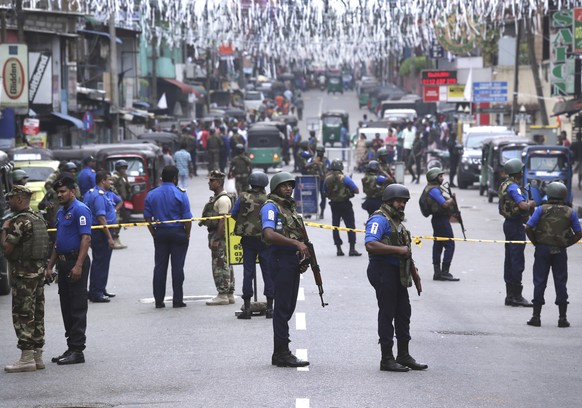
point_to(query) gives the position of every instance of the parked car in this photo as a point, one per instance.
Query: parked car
(470, 163)
(38, 171)
(253, 100)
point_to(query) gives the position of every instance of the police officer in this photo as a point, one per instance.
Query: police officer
(318, 166)
(514, 207)
(247, 213)
(165, 203)
(391, 272)
(25, 242)
(552, 228)
(103, 213)
(303, 156)
(282, 227)
(87, 175)
(19, 177)
(70, 255)
(441, 209)
(120, 186)
(339, 189)
(219, 204)
(384, 169)
(240, 168)
(374, 185)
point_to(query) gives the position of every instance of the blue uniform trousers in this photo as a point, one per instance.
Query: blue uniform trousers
(253, 247)
(343, 210)
(73, 298)
(323, 199)
(100, 266)
(393, 302)
(541, 269)
(514, 253)
(441, 226)
(286, 276)
(170, 244)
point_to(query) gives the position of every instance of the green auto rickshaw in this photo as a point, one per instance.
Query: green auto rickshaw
(264, 141)
(331, 124)
(335, 84)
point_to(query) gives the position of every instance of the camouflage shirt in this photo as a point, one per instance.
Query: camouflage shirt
(371, 187)
(240, 166)
(335, 188)
(28, 234)
(120, 186)
(555, 225)
(248, 221)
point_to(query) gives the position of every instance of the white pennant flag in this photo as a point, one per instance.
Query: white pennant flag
(468, 93)
(163, 103)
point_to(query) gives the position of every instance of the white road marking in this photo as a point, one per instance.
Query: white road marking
(300, 322)
(191, 298)
(301, 294)
(301, 354)
(302, 403)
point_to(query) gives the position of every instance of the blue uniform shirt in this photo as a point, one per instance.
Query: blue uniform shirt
(100, 203)
(535, 219)
(167, 202)
(376, 227)
(86, 180)
(72, 222)
(437, 195)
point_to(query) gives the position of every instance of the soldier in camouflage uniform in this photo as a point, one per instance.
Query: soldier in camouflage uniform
(213, 145)
(25, 243)
(219, 204)
(339, 189)
(120, 186)
(247, 213)
(385, 169)
(552, 228)
(240, 169)
(514, 207)
(318, 166)
(374, 184)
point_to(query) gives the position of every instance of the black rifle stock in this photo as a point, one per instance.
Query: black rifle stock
(312, 261)
(457, 211)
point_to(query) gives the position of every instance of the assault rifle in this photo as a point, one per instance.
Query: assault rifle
(456, 210)
(312, 261)
(409, 265)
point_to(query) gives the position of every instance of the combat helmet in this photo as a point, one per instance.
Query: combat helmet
(281, 178)
(121, 163)
(18, 176)
(320, 149)
(368, 143)
(513, 166)
(258, 179)
(382, 152)
(557, 191)
(395, 191)
(336, 165)
(304, 144)
(433, 173)
(373, 165)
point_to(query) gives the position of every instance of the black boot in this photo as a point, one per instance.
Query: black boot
(388, 363)
(437, 272)
(405, 359)
(518, 299)
(282, 357)
(446, 275)
(508, 294)
(339, 250)
(535, 318)
(563, 321)
(353, 251)
(246, 311)
(269, 311)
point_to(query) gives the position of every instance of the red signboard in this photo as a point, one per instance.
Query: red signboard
(439, 77)
(430, 93)
(31, 126)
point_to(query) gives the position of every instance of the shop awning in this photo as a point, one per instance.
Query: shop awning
(571, 107)
(77, 122)
(102, 34)
(185, 88)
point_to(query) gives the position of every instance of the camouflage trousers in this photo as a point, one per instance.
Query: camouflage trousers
(242, 184)
(28, 311)
(221, 271)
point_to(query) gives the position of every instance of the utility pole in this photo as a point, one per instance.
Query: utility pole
(113, 79)
(518, 29)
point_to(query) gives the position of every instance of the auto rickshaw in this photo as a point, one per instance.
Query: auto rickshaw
(264, 142)
(364, 89)
(29, 153)
(335, 84)
(331, 124)
(495, 152)
(163, 139)
(38, 171)
(5, 187)
(543, 165)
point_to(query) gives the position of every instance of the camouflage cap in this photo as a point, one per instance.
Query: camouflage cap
(19, 190)
(216, 175)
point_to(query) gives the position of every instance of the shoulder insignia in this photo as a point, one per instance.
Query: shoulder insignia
(92, 171)
(101, 192)
(181, 189)
(91, 190)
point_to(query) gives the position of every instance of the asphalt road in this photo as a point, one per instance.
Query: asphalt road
(480, 353)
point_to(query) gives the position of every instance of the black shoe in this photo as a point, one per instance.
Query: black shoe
(391, 365)
(353, 252)
(534, 321)
(410, 362)
(76, 357)
(65, 354)
(563, 322)
(99, 299)
(339, 252)
(181, 304)
(245, 314)
(287, 359)
(109, 295)
(160, 305)
(447, 277)
(269, 313)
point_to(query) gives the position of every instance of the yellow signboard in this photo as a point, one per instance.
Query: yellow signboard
(233, 245)
(456, 93)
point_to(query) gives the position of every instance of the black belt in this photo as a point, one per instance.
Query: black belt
(70, 256)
